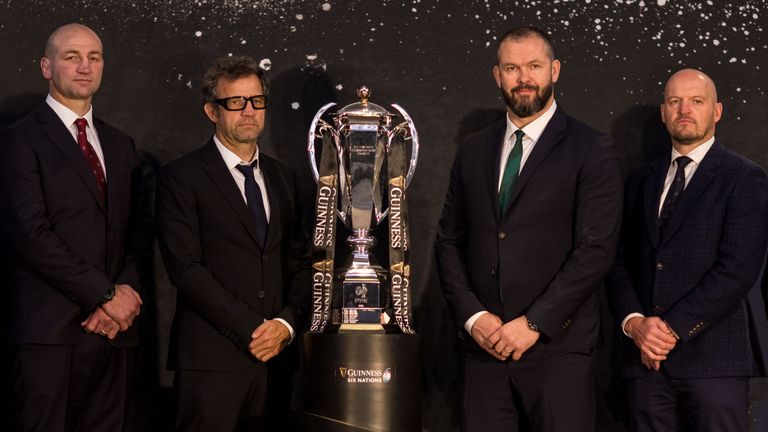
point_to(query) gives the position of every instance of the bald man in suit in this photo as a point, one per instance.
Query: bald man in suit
(68, 196)
(693, 244)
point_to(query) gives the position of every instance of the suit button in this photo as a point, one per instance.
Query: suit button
(493, 273)
(659, 266)
(657, 309)
(262, 294)
(502, 235)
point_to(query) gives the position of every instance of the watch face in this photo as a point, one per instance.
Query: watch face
(109, 295)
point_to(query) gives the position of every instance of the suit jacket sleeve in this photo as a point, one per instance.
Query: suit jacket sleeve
(27, 225)
(622, 296)
(596, 225)
(178, 230)
(739, 259)
(450, 250)
(298, 264)
(140, 232)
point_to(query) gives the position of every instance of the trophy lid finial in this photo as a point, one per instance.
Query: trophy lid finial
(364, 93)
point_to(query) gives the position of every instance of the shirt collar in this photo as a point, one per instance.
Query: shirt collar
(698, 153)
(67, 115)
(230, 158)
(534, 129)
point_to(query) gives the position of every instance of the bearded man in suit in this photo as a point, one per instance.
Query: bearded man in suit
(692, 247)
(528, 232)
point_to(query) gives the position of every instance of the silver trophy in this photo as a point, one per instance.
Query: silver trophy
(367, 162)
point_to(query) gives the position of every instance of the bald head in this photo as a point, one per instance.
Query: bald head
(65, 32)
(692, 77)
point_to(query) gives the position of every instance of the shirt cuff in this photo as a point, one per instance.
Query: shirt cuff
(290, 329)
(629, 317)
(471, 321)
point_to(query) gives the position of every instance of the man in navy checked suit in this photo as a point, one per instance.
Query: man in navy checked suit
(693, 241)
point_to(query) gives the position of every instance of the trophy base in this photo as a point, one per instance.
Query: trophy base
(370, 328)
(360, 382)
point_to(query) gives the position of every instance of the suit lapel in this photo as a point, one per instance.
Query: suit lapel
(62, 139)
(697, 185)
(493, 165)
(271, 180)
(548, 140)
(217, 170)
(653, 185)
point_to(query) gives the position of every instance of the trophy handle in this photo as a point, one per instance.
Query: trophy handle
(312, 135)
(414, 143)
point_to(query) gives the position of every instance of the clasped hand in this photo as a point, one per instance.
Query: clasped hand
(269, 339)
(115, 315)
(503, 340)
(653, 337)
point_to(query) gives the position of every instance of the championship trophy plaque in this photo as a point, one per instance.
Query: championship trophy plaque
(364, 171)
(361, 367)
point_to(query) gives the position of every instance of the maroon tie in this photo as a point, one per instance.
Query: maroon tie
(91, 157)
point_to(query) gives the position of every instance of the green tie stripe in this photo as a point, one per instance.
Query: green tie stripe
(511, 171)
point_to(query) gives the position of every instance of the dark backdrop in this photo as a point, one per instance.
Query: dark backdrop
(433, 58)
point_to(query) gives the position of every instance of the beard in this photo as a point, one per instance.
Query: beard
(689, 135)
(527, 106)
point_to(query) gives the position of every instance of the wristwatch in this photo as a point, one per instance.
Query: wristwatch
(109, 295)
(533, 326)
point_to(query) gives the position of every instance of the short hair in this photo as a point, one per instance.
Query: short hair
(526, 32)
(231, 68)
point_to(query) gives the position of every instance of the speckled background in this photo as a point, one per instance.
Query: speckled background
(432, 57)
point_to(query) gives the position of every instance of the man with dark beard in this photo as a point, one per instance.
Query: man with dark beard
(692, 247)
(528, 232)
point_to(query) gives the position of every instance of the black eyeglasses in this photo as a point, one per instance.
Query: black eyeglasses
(238, 103)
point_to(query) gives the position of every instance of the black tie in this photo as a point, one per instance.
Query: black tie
(254, 200)
(675, 189)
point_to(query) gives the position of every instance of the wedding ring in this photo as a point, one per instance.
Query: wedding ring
(102, 332)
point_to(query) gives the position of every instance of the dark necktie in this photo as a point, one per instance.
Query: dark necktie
(511, 171)
(91, 157)
(255, 201)
(675, 189)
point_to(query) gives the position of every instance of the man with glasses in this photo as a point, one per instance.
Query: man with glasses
(230, 233)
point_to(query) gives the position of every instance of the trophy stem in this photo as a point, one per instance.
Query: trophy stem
(362, 244)
(361, 286)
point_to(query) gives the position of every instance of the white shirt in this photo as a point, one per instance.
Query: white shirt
(68, 117)
(696, 155)
(532, 131)
(231, 160)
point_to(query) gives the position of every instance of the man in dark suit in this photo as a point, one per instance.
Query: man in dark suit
(528, 232)
(230, 229)
(67, 196)
(693, 242)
